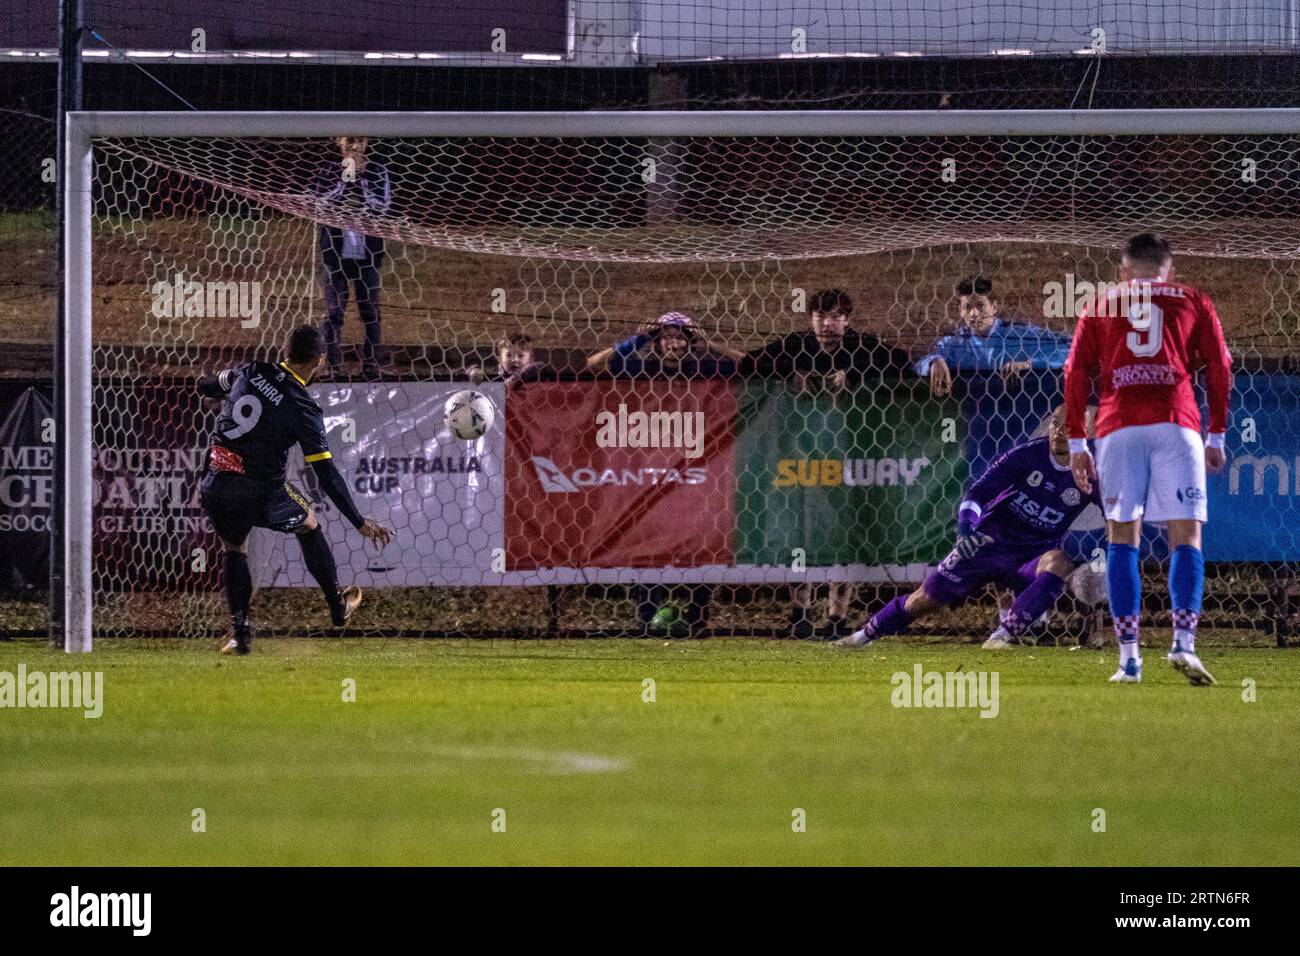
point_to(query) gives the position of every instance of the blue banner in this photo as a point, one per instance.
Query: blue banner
(1255, 502)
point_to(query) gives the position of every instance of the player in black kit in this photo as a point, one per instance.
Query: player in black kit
(266, 411)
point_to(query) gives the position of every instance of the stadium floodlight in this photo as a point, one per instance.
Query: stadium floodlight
(838, 183)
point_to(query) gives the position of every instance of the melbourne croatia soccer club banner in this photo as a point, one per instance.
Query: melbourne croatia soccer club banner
(26, 488)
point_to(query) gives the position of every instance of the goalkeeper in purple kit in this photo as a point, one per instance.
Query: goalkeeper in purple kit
(1010, 526)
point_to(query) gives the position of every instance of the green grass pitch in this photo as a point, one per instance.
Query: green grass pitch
(740, 736)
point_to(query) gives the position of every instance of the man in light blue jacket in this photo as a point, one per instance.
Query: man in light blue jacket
(987, 341)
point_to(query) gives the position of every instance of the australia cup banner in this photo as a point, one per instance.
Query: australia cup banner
(443, 497)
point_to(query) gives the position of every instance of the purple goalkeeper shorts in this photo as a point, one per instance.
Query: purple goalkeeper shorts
(957, 578)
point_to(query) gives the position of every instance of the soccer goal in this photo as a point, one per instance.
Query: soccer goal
(620, 488)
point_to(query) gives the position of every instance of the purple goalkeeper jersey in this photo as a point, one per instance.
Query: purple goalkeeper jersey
(1026, 501)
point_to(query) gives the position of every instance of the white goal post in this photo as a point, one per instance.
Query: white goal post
(73, 531)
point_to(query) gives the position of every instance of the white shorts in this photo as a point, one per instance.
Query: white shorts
(1152, 472)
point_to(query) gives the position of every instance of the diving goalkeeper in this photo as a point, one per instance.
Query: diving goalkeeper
(1009, 531)
(267, 410)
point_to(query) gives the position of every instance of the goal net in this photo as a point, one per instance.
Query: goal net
(702, 472)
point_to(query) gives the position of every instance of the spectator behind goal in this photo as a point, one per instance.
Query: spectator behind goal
(988, 341)
(352, 260)
(830, 357)
(671, 346)
(516, 364)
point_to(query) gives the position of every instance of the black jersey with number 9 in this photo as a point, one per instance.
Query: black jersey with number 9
(268, 410)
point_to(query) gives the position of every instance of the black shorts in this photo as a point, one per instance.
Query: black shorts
(237, 504)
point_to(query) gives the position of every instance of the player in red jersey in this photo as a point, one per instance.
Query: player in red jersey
(1139, 344)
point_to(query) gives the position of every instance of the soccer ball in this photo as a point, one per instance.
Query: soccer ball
(1088, 584)
(469, 414)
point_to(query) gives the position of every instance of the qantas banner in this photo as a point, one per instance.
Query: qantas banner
(442, 497)
(620, 475)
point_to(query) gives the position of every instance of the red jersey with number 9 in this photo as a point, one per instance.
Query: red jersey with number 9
(1141, 342)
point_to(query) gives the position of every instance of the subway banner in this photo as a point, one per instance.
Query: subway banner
(869, 477)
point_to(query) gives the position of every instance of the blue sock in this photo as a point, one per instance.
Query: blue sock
(1125, 587)
(1186, 587)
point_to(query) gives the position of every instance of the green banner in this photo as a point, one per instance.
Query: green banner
(870, 475)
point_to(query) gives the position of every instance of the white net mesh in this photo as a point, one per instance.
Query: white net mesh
(753, 198)
(825, 460)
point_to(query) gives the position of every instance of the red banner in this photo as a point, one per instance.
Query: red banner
(620, 474)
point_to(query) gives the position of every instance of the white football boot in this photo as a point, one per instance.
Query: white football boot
(999, 640)
(236, 645)
(1190, 666)
(858, 638)
(1130, 673)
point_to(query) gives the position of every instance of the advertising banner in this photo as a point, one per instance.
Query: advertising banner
(150, 530)
(442, 497)
(1255, 501)
(868, 477)
(26, 488)
(591, 482)
(620, 474)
